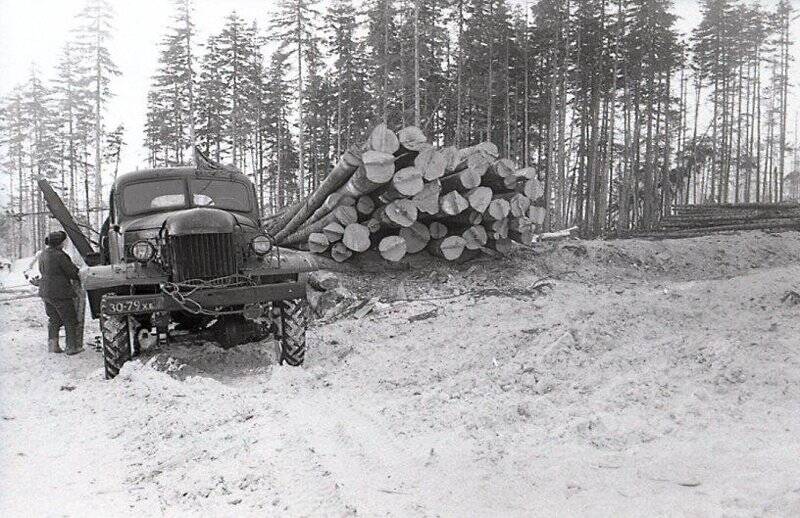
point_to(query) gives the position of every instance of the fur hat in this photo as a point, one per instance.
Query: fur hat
(55, 238)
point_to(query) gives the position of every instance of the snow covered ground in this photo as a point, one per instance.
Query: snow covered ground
(653, 379)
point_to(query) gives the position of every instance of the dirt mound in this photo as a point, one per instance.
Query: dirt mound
(607, 262)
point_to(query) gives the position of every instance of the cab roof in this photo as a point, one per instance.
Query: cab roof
(179, 172)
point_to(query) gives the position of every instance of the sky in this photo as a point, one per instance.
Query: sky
(33, 32)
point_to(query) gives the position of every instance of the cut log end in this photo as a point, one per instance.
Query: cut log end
(475, 237)
(498, 209)
(383, 139)
(318, 242)
(365, 205)
(402, 212)
(356, 237)
(537, 214)
(427, 200)
(431, 162)
(392, 248)
(453, 203)
(416, 237)
(413, 139)
(450, 247)
(437, 230)
(333, 231)
(378, 167)
(479, 198)
(340, 253)
(346, 215)
(408, 181)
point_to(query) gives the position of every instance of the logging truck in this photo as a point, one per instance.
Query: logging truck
(183, 255)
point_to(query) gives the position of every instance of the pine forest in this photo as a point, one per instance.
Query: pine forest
(621, 114)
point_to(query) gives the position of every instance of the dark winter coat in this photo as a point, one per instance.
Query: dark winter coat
(57, 271)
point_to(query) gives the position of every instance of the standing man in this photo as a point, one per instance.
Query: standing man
(56, 290)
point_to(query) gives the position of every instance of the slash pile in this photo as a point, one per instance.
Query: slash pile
(401, 195)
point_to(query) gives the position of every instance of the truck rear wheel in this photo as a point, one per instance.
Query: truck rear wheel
(115, 331)
(293, 324)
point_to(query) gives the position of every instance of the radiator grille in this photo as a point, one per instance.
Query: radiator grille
(202, 256)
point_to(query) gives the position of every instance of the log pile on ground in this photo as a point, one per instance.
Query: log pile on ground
(399, 194)
(695, 220)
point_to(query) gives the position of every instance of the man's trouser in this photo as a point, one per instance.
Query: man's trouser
(80, 311)
(61, 312)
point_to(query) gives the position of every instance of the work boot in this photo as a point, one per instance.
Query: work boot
(52, 346)
(73, 345)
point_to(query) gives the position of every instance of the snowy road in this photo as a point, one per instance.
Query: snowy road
(663, 397)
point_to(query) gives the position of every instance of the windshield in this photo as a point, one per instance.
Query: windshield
(221, 194)
(154, 196)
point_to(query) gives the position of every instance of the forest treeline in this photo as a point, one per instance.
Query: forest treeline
(622, 115)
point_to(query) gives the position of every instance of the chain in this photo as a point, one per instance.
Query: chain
(174, 291)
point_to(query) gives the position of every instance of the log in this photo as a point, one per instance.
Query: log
(322, 280)
(537, 214)
(373, 225)
(497, 229)
(377, 170)
(318, 242)
(479, 162)
(365, 205)
(343, 215)
(551, 236)
(487, 149)
(462, 181)
(437, 230)
(466, 218)
(399, 213)
(356, 237)
(333, 231)
(475, 237)
(392, 248)
(383, 139)
(521, 230)
(416, 237)
(408, 181)
(503, 245)
(518, 203)
(532, 188)
(277, 221)
(450, 247)
(498, 209)
(451, 158)
(431, 162)
(330, 203)
(427, 200)
(340, 253)
(479, 198)
(500, 175)
(453, 203)
(340, 175)
(413, 139)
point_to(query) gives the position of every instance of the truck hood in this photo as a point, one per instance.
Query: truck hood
(191, 221)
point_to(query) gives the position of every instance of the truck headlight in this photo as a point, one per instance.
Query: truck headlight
(143, 251)
(261, 245)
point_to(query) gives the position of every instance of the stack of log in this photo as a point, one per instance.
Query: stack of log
(701, 219)
(401, 195)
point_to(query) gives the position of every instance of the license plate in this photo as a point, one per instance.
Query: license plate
(137, 305)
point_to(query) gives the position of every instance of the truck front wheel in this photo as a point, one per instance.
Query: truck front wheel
(293, 322)
(116, 343)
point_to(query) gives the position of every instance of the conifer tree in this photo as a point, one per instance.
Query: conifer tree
(93, 36)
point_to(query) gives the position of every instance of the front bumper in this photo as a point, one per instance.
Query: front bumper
(207, 298)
